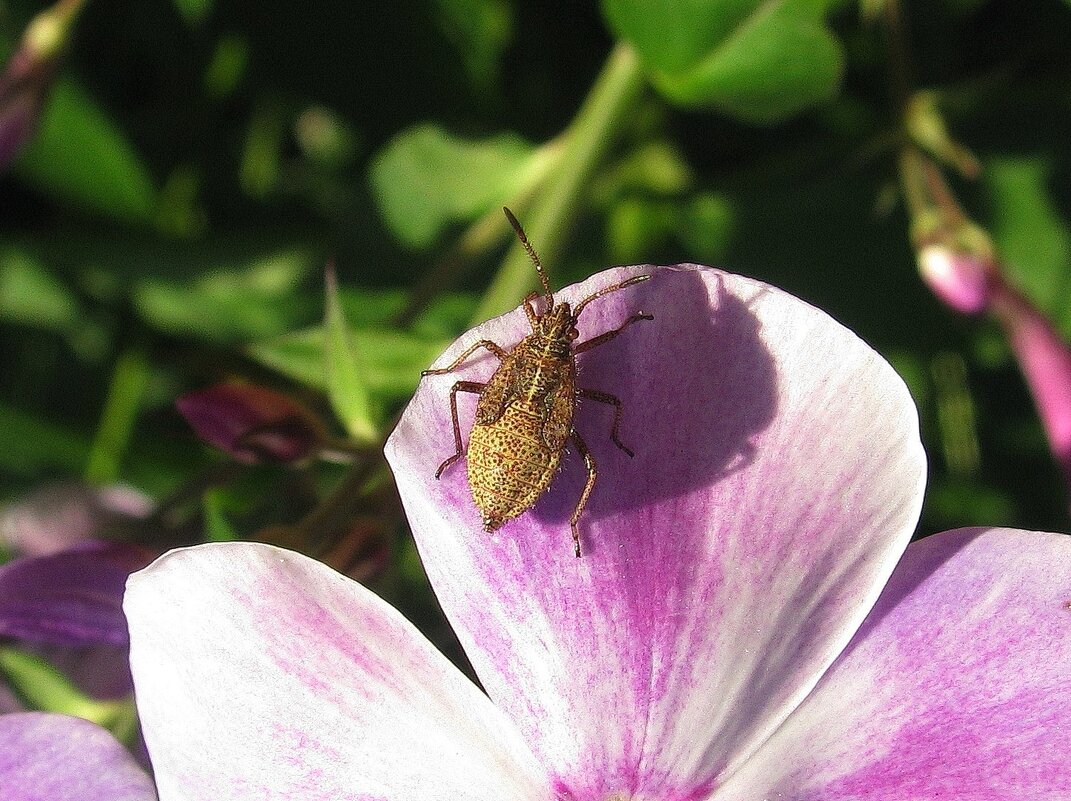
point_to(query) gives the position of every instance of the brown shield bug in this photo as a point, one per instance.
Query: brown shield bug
(524, 416)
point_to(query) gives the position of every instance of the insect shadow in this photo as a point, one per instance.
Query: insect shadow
(696, 386)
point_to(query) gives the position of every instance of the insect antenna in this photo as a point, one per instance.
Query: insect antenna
(606, 290)
(521, 235)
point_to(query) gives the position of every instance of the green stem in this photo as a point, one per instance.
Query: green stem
(587, 141)
(43, 687)
(913, 180)
(129, 380)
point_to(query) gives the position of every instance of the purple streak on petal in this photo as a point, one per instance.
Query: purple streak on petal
(778, 475)
(72, 598)
(261, 674)
(46, 757)
(957, 685)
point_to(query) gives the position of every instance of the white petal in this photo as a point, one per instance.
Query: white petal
(261, 674)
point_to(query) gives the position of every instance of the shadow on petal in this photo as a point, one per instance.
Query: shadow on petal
(688, 414)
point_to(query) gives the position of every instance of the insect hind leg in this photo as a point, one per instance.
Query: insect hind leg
(589, 462)
(610, 400)
(460, 386)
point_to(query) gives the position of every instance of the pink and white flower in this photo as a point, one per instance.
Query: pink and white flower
(748, 620)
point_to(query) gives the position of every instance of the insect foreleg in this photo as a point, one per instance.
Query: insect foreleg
(529, 309)
(460, 386)
(589, 462)
(610, 400)
(483, 343)
(594, 342)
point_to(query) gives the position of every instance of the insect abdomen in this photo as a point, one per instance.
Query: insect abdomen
(509, 464)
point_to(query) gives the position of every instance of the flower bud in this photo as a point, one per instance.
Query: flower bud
(960, 279)
(28, 76)
(1045, 359)
(253, 424)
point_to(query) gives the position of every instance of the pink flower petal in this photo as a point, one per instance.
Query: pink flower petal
(777, 478)
(72, 598)
(957, 685)
(261, 674)
(45, 757)
(1045, 360)
(57, 516)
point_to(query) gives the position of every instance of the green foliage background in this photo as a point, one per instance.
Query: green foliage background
(199, 162)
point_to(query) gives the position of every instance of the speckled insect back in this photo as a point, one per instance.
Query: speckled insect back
(524, 417)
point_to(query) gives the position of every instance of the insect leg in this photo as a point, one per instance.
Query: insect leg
(483, 343)
(589, 462)
(611, 400)
(460, 386)
(529, 309)
(594, 342)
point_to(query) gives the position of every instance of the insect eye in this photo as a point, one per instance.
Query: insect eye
(573, 334)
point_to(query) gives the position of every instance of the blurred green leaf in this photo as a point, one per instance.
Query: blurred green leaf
(194, 11)
(480, 30)
(955, 501)
(40, 684)
(1032, 237)
(446, 316)
(178, 213)
(30, 445)
(366, 307)
(45, 688)
(248, 301)
(392, 359)
(325, 137)
(227, 67)
(637, 226)
(31, 295)
(657, 167)
(708, 225)
(125, 396)
(426, 179)
(80, 156)
(263, 152)
(758, 60)
(217, 527)
(346, 371)
(672, 36)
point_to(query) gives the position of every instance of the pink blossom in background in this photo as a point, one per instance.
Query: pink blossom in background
(46, 757)
(972, 283)
(1045, 360)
